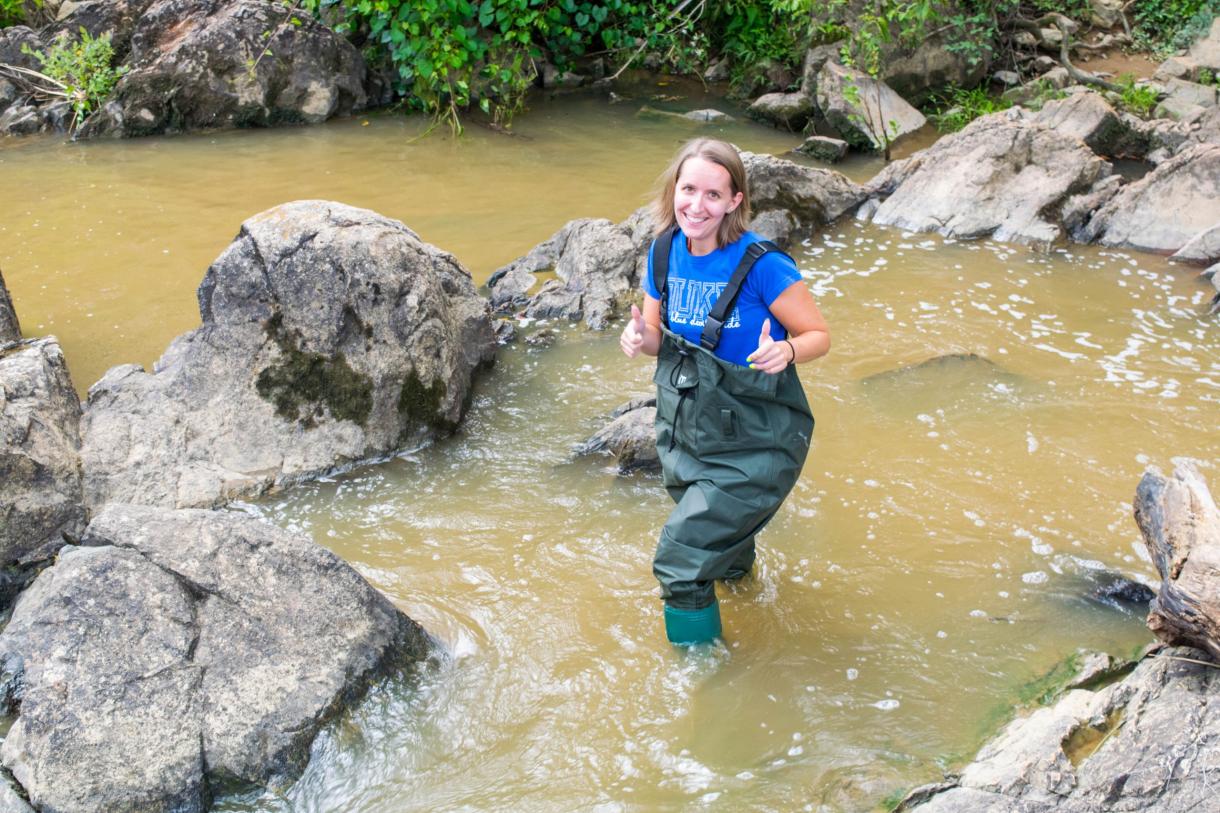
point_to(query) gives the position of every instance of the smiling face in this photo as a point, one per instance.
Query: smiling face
(703, 195)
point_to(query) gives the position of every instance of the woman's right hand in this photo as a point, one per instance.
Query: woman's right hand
(632, 339)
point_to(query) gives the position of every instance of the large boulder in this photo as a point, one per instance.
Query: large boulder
(180, 650)
(41, 501)
(1166, 208)
(865, 112)
(1090, 118)
(790, 111)
(1206, 51)
(13, 41)
(999, 176)
(10, 328)
(1123, 747)
(101, 18)
(597, 263)
(331, 335)
(230, 63)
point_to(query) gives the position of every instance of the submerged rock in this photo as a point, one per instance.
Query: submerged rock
(183, 649)
(1000, 176)
(10, 328)
(41, 504)
(1166, 208)
(331, 335)
(630, 437)
(199, 64)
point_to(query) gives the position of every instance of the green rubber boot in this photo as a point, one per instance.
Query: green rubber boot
(687, 627)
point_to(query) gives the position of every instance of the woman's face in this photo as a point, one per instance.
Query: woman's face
(703, 195)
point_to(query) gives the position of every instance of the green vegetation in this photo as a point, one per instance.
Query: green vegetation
(13, 12)
(79, 71)
(957, 107)
(1139, 99)
(1164, 26)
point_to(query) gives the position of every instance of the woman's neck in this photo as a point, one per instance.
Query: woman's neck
(700, 249)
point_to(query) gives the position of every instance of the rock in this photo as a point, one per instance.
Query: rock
(788, 110)
(877, 114)
(1050, 39)
(718, 71)
(1181, 528)
(708, 116)
(1077, 209)
(505, 330)
(776, 225)
(10, 801)
(330, 335)
(1166, 208)
(1090, 118)
(183, 650)
(1176, 108)
(1006, 78)
(1206, 51)
(114, 18)
(39, 460)
(630, 437)
(1176, 67)
(542, 338)
(554, 79)
(594, 263)
(815, 59)
(1168, 138)
(597, 263)
(1044, 64)
(199, 64)
(823, 148)
(1202, 249)
(867, 209)
(1124, 747)
(1186, 93)
(916, 71)
(1105, 13)
(649, 112)
(1000, 176)
(10, 328)
(21, 120)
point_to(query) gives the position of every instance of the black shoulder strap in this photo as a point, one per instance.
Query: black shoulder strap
(660, 269)
(710, 337)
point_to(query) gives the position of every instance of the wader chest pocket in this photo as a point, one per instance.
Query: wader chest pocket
(728, 423)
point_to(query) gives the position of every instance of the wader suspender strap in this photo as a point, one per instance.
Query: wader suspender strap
(714, 323)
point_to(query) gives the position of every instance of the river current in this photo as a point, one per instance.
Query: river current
(982, 422)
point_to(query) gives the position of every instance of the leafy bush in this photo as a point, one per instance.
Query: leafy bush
(80, 70)
(1139, 99)
(13, 12)
(1164, 26)
(959, 106)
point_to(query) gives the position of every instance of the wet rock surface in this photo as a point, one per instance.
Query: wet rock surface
(630, 437)
(331, 335)
(41, 504)
(10, 328)
(1000, 176)
(198, 64)
(176, 650)
(1165, 209)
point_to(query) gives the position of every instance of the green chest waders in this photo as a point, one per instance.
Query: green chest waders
(732, 442)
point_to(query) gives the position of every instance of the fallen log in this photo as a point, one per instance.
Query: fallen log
(1181, 528)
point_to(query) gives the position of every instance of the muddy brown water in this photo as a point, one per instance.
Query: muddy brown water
(982, 422)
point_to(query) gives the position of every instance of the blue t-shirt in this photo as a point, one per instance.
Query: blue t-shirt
(695, 284)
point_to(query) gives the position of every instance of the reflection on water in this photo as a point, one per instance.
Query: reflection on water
(982, 422)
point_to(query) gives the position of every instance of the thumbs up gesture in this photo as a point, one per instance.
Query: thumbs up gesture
(633, 334)
(771, 356)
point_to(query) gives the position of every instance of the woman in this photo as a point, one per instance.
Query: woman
(733, 425)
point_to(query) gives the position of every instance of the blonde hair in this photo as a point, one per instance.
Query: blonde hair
(717, 152)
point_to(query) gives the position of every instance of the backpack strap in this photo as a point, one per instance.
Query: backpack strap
(710, 337)
(660, 269)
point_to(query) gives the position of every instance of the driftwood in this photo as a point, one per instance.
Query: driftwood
(1181, 527)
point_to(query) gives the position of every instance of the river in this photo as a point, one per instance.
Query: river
(982, 421)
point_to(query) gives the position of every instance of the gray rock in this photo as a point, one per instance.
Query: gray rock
(815, 59)
(630, 437)
(1000, 176)
(878, 113)
(597, 263)
(1190, 93)
(1006, 78)
(10, 328)
(39, 460)
(790, 111)
(1165, 209)
(1176, 67)
(114, 18)
(718, 71)
(182, 649)
(1167, 138)
(1176, 108)
(823, 148)
(21, 120)
(1206, 50)
(10, 801)
(191, 69)
(594, 263)
(916, 70)
(555, 79)
(1142, 744)
(331, 335)
(776, 225)
(1105, 13)
(708, 116)
(1203, 248)
(1090, 118)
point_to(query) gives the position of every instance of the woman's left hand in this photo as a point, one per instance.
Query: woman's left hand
(771, 356)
